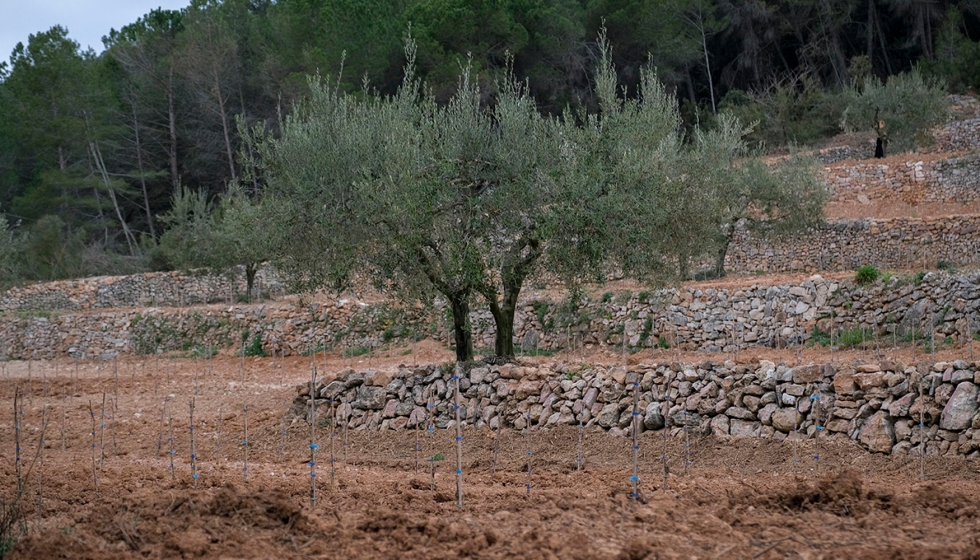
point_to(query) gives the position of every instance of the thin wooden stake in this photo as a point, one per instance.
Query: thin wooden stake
(333, 421)
(217, 437)
(313, 444)
(527, 444)
(193, 445)
(102, 436)
(459, 440)
(245, 442)
(18, 465)
(173, 449)
(95, 472)
(635, 479)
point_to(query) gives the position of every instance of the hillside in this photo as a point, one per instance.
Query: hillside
(785, 410)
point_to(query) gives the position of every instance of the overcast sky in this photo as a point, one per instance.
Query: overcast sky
(87, 20)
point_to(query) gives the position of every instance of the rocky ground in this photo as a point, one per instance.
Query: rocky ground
(743, 498)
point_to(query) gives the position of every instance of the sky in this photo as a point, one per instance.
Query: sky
(87, 20)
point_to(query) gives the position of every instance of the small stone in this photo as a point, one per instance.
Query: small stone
(332, 390)
(794, 389)
(378, 378)
(618, 375)
(389, 409)
(527, 388)
(960, 375)
(869, 380)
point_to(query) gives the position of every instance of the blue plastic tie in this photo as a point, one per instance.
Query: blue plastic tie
(634, 479)
(459, 471)
(314, 446)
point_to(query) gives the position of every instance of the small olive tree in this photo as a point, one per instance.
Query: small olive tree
(733, 189)
(217, 237)
(909, 104)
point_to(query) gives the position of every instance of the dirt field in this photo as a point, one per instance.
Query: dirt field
(741, 499)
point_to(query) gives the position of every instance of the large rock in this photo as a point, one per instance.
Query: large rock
(527, 388)
(786, 419)
(720, 426)
(369, 398)
(844, 382)
(378, 378)
(332, 390)
(900, 407)
(807, 374)
(766, 412)
(959, 410)
(739, 413)
(869, 380)
(877, 433)
(742, 429)
(653, 419)
(609, 415)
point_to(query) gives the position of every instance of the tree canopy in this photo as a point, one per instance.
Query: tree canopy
(463, 200)
(103, 141)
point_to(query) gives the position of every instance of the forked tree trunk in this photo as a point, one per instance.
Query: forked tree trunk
(503, 316)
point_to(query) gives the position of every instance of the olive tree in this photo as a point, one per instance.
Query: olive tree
(217, 236)
(734, 189)
(468, 199)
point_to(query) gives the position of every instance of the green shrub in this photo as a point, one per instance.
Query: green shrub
(356, 351)
(866, 275)
(607, 297)
(909, 104)
(255, 347)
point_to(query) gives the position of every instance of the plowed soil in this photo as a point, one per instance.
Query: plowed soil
(720, 499)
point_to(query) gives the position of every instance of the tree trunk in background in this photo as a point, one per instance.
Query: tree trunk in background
(461, 328)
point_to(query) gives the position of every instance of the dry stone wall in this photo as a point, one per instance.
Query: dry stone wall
(150, 289)
(710, 320)
(902, 243)
(956, 179)
(888, 407)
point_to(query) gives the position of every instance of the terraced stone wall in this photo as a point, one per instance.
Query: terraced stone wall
(899, 243)
(710, 320)
(880, 405)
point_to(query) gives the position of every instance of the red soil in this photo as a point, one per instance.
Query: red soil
(740, 499)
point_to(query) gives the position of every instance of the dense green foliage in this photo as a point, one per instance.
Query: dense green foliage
(95, 148)
(460, 200)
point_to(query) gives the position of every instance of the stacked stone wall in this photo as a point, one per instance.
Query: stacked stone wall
(710, 320)
(888, 407)
(898, 243)
(956, 179)
(149, 289)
